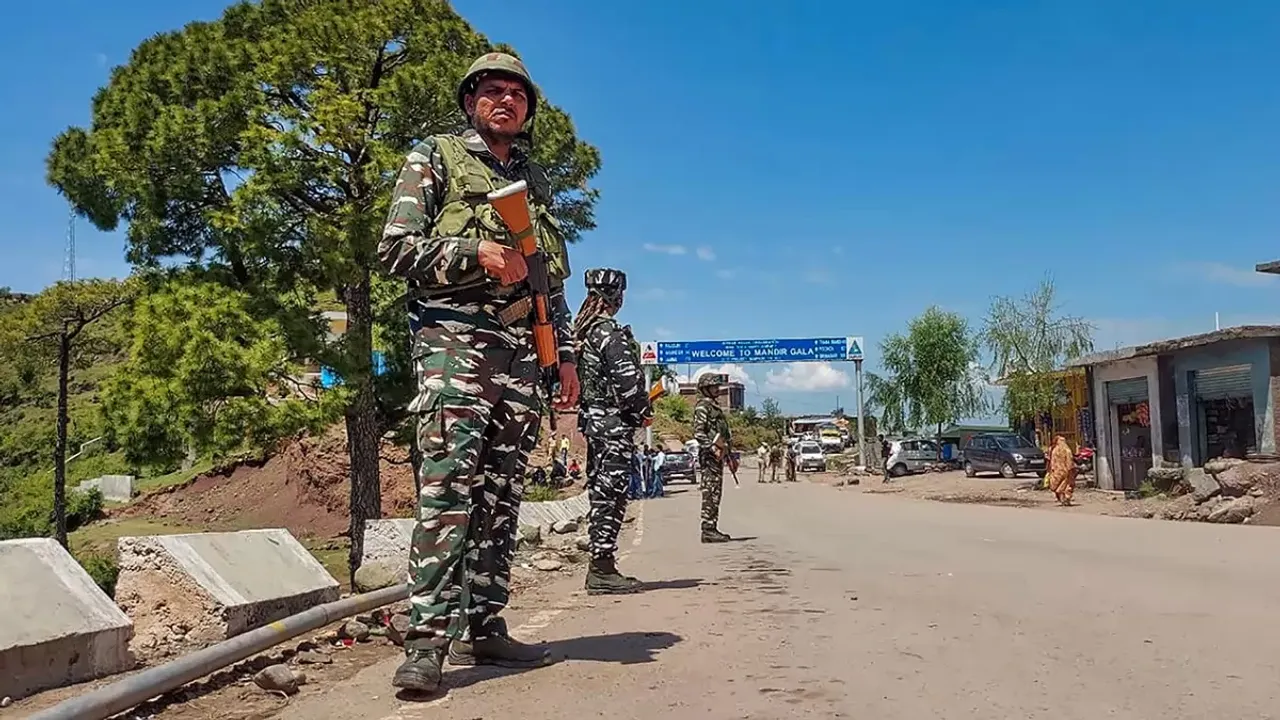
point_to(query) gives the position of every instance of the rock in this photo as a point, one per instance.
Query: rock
(1232, 511)
(548, 565)
(1217, 466)
(582, 542)
(1165, 479)
(573, 556)
(355, 630)
(311, 657)
(278, 678)
(6, 701)
(376, 575)
(529, 535)
(1203, 485)
(564, 527)
(300, 677)
(398, 628)
(1242, 477)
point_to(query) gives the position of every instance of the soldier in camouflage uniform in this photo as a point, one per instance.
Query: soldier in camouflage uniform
(478, 406)
(614, 404)
(711, 429)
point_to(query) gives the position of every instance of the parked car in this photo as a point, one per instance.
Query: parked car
(809, 456)
(910, 456)
(1006, 453)
(678, 466)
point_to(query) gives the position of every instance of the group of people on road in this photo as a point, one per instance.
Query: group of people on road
(479, 403)
(646, 474)
(770, 457)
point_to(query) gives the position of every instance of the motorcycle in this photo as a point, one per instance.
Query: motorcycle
(1084, 460)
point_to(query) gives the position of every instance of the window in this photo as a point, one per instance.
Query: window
(1013, 442)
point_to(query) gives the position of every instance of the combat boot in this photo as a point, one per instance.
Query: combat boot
(499, 649)
(420, 671)
(603, 578)
(712, 535)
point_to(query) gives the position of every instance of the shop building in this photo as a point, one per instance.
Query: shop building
(1183, 402)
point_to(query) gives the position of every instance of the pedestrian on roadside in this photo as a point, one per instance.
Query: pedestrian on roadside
(1061, 477)
(885, 449)
(564, 449)
(478, 405)
(659, 457)
(613, 405)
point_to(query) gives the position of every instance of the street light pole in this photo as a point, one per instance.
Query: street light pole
(857, 389)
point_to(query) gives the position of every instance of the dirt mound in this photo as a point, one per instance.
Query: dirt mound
(304, 488)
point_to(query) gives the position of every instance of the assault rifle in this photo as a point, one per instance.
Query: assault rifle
(722, 449)
(512, 204)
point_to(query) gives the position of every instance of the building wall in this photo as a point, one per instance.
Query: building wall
(1106, 469)
(1256, 353)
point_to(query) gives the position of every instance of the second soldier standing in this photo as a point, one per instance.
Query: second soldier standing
(711, 430)
(613, 405)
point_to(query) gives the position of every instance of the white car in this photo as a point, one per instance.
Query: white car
(809, 456)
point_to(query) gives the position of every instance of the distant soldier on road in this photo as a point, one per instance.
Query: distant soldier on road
(715, 448)
(614, 404)
(479, 411)
(791, 462)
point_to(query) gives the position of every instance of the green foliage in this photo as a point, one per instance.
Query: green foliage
(540, 493)
(1028, 341)
(205, 377)
(674, 407)
(27, 510)
(931, 378)
(103, 568)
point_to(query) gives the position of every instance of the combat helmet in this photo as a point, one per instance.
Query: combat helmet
(606, 282)
(709, 383)
(498, 64)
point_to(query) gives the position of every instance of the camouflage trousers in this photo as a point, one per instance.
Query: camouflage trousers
(479, 416)
(608, 474)
(711, 482)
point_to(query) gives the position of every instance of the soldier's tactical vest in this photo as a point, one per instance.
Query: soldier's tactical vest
(598, 389)
(466, 211)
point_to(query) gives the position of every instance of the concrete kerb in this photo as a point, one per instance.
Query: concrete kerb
(60, 627)
(206, 587)
(386, 541)
(115, 488)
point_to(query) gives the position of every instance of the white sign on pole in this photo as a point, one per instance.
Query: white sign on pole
(853, 348)
(648, 353)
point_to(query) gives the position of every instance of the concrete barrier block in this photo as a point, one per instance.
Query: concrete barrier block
(116, 488)
(58, 627)
(386, 541)
(206, 587)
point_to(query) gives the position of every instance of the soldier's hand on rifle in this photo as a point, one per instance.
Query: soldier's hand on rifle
(569, 388)
(502, 262)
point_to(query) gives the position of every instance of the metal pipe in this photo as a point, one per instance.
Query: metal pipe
(133, 691)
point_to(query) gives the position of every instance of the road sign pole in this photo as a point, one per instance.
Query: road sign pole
(857, 389)
(648, 385)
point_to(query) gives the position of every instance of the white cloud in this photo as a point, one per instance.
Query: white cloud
(663, 333)
(667, 249)
(734, 371)
(807, 377)
(101, 59)
(706, 253)
(1224, 274)
(726, 273)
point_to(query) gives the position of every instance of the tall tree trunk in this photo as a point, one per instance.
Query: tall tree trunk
(362, 417)
(60, 444)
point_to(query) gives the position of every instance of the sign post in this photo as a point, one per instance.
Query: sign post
(648, 386)
(862, 435)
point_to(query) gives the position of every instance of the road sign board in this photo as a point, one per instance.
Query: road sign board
(649, 353)
(753, 351)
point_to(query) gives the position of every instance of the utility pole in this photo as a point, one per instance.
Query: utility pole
(857, 390)
(648, 386)
(69, 261)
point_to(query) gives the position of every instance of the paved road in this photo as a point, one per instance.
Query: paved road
(844, 605)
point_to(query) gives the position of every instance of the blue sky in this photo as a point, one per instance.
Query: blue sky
(813, 169)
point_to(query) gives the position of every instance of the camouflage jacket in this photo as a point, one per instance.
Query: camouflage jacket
(613, 397)
(708, 421)
(439, 215)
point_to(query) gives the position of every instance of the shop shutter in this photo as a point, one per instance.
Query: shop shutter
(1127, 392)
(1231, 381)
